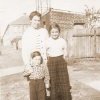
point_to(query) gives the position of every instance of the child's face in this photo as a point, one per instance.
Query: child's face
(55, 33)
(36, 60)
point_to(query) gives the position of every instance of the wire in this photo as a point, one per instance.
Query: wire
(41, 6)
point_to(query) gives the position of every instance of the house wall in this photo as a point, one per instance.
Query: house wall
(13, 32)
(46, 19)
(65, 20)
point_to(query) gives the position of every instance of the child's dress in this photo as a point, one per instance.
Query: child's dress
(59, 78)
(39, 79)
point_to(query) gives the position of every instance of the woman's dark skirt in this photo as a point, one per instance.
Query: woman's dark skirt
(60, 85)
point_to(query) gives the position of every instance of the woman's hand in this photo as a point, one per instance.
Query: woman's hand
(27, 72)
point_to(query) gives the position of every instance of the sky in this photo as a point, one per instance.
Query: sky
(75, 5)
(11, 9)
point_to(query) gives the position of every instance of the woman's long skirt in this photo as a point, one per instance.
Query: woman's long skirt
(60, 85)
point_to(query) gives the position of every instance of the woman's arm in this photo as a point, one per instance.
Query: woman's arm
(25, 53)
(65, 49)
(47, 76)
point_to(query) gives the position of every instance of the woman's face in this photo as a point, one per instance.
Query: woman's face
(35, 22)
(36, 61)
(55, 33)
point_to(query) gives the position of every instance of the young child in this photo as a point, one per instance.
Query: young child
(57, 52)
(39, 78)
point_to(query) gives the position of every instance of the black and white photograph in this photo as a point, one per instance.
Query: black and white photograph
(49, 50)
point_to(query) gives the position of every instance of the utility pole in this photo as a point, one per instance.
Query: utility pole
(40, 4)
(0, 44)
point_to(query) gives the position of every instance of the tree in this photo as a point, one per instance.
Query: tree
(93, 17)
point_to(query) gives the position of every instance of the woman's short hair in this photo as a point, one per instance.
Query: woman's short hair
(54, 25)
(36, 53)
(34, 13)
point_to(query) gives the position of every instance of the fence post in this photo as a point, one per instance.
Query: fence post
(0, 45)
(94, 43)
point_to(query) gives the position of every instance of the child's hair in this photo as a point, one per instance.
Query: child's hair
(36, 53)
(54, 25)
(33, 14)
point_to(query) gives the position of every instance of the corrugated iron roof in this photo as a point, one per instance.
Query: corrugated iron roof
(23, 20)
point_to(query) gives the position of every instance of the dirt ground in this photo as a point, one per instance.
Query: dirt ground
(10, 57)
(84, 78)
(15, 87)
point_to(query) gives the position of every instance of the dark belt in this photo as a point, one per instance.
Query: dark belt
(61, 56)
(37, 79)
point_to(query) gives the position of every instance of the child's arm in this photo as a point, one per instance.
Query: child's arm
(27, 71)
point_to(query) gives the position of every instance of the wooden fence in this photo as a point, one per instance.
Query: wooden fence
(83, 45)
